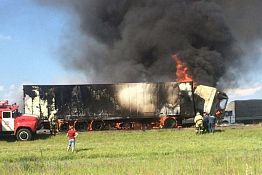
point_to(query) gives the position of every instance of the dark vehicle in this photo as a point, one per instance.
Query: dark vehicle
(243, 111)
(122, 105)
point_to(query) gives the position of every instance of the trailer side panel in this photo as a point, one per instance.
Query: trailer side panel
(110, 101)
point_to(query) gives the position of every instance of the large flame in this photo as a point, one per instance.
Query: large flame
(181, 70)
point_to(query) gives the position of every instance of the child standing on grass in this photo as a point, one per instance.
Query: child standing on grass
(71, 136)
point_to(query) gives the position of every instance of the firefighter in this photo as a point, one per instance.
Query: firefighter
(212, 124)
(199, 123)
(53, 123)
(205, 122)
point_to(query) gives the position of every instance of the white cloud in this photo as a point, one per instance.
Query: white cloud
(244, 91)
(2, 88)
(251, 92)
(5, 38)
(68, 78)
(13, 93)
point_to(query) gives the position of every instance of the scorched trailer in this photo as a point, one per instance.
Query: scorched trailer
(123, 105)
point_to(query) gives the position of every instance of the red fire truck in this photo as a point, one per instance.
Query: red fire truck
(23, 126)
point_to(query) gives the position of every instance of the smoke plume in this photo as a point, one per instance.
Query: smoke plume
(134, 40)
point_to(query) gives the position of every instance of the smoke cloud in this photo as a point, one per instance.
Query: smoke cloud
(134, 40)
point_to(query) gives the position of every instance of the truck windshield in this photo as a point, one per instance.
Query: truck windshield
(16, 113)
(222, 104)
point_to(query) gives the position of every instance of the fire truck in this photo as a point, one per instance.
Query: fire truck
(12, 122)
(123, 105)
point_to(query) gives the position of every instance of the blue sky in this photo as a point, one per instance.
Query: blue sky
(30, 36)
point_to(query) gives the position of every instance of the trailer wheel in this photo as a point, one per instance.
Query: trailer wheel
(98, 125)
(24, 134)
(170, 123)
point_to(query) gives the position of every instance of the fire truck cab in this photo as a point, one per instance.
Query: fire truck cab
(13, 122)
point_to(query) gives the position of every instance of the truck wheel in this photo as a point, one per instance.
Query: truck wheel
(170, 123)
(24, 134)
(98, 125)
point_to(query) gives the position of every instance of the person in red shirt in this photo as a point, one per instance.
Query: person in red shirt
(71, 136)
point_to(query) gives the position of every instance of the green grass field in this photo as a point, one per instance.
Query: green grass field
(228, 151)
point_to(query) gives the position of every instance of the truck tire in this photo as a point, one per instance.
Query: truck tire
(98, 125)
(24, 134)
(170, 123)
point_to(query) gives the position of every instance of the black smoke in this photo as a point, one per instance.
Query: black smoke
(133, 40)
(243, 19)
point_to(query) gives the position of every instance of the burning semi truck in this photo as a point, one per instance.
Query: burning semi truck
(123, 105)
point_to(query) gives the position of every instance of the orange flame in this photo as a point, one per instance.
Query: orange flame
(181, 70)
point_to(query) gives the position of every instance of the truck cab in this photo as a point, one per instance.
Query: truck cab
(210, 100)
(13, 122)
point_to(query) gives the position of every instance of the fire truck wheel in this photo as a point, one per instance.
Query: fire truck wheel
(24, 134)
